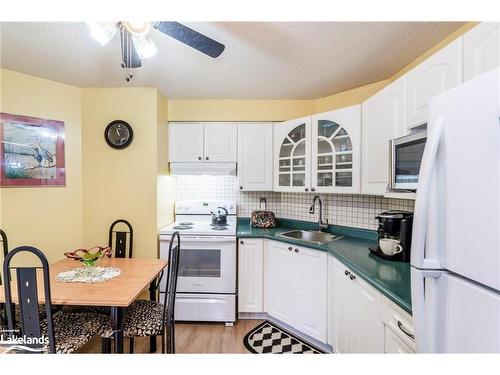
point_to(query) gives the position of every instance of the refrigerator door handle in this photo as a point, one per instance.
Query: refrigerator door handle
(420, 218)
(423, 309)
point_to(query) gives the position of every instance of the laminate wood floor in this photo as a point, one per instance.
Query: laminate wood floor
(211, 338)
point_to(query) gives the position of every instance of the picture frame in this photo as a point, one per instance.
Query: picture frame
(31, 152)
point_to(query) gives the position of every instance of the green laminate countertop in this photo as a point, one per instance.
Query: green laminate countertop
(391, 278)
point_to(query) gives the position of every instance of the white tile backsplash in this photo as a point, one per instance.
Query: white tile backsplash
(350, 210)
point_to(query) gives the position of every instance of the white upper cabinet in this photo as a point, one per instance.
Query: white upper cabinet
(203, 142)
(319, 153)
(481, 49)
(221, 142)
(384, 118)
(185, 142)
(437, 74)
(292, 155)
(336, 151)
(255, 156)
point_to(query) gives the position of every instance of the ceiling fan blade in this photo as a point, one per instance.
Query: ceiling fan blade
(130, 58)
(190, 37)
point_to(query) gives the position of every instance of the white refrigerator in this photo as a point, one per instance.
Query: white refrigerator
(455, 253)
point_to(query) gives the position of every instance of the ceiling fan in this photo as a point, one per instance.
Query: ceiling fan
(137, 45)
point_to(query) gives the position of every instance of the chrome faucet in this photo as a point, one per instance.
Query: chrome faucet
(322, 224)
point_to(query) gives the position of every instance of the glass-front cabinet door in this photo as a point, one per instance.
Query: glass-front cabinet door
(292, 155)
(336, 150)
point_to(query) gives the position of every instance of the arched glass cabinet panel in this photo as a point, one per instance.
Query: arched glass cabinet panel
(292, 158)
(334, 155)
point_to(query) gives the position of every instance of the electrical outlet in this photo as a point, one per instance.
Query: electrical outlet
(263, 203)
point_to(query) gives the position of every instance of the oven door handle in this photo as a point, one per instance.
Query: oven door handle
(218, 239)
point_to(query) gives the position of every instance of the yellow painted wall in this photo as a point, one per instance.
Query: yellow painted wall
(165, 184)
(120, 183)
(47, 218)
(240, 110)
(349, 97)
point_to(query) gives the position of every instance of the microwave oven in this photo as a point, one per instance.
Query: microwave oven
(405, 157)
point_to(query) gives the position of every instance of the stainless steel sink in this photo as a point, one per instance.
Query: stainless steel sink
(310, 236)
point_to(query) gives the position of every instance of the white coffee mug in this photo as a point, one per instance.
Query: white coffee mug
(390, 246)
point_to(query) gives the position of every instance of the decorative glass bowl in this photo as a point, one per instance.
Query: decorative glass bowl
(91, 256)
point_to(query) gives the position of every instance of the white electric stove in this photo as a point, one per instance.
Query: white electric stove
(206, 286)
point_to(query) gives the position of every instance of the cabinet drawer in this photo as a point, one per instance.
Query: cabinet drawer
(393, 345)
(399, 322)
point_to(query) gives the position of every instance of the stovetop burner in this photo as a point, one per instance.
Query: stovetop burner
(219, 227)
(186, 223)
(183, 227)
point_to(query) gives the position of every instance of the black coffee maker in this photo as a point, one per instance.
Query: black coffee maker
(395, 224)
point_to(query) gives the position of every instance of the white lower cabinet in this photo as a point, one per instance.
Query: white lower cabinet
(399, 331)
(357, 314)
(393, 345)
(312, 293)
(250, 275)
(295, 287)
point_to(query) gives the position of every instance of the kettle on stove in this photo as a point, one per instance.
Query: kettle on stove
(219, 219)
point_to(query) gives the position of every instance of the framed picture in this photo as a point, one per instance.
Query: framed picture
(31, 151)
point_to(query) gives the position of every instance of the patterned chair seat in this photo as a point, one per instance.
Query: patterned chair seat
(3, 315)
(143, 318)
(72, 331)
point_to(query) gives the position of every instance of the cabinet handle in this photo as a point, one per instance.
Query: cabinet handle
(306, 189)
(296, 250)
(347, 273)
(199, 157)
(352, 277)
(403, 329)
(313, 189)
(290, 248)
(241, 242)
(206, 157)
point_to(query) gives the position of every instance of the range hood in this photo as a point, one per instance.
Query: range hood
(198, 169)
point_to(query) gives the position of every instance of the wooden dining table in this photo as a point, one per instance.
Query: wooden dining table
(117, 293)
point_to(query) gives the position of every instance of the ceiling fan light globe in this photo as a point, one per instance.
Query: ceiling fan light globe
(137, 28)
(102, 32)
(144, 46)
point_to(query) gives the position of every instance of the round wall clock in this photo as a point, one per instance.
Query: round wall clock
(118, 134)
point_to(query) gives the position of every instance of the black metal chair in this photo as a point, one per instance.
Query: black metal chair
(5, 250)
(57, 333)
(121, 241)
(3, 312)
(151, 318)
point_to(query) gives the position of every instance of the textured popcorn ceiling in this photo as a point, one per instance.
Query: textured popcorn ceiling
(266, 60)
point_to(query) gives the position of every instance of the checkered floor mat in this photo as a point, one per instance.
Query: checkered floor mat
(269, 338)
